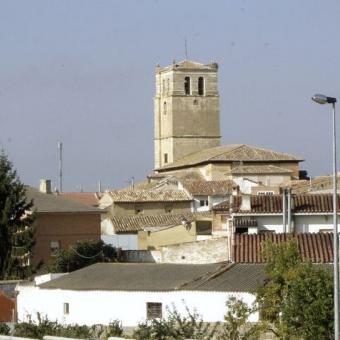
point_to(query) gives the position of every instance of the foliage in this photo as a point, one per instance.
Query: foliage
(82, 254)
(297, 300)
(114, 328)
(236, 326)
(46, 327)
(16, 230)
(4, 329)
(176, 327)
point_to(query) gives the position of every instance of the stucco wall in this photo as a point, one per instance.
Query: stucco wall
(101, 307)
(206, 251)
(173, 235)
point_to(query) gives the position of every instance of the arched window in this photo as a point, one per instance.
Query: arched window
(168, 85)
(187, 85)
(164, 108)
(163, 90)
(201, 86)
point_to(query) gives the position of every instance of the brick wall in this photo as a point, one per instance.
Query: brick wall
(65, 228)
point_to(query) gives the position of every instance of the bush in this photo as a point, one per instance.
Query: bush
(176, 327)
(4, 329)
(46, 327)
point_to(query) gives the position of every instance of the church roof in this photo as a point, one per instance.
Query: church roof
(188, 65)
(231, 153)
(258, 169)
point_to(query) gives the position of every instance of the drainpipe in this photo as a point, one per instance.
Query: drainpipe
(289, 210)
(231, 229)
(284, 209)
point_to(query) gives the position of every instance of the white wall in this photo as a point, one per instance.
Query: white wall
(314, 223)
(101, 307)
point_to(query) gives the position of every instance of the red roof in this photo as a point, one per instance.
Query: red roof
(317, 248)
(272, 204)
(88, 198)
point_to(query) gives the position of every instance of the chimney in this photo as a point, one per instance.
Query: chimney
(245, 203)
(45, 186)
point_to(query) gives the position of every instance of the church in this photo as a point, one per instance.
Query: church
(187, 136)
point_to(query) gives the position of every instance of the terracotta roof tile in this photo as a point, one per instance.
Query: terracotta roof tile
(88, 198)
(272, 204)
(232, 153)
(317, 248)
(209, 187)
(149, 196)
(134, 223)
(258, 169)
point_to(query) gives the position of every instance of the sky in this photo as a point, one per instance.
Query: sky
(82, 72)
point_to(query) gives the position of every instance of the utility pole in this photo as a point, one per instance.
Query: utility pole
(60, 147)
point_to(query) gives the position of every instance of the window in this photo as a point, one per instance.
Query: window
(168, 85)
(163, 89)
(54, 247)
(164, 108)
(153, 310)
(187, 89)
(165, 158)
(204, 203)
(203, 227)
(66, 308)
(200, 86)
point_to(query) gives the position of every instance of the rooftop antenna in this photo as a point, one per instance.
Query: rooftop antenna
(186, 49)
(60, 147)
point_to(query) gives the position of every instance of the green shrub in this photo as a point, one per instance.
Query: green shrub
(4, 329)
(176, 327)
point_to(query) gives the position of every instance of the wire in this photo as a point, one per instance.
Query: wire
(86, 257)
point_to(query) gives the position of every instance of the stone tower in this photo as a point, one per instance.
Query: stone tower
(186, 110)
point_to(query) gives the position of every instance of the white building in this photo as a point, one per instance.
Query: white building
(132, 293)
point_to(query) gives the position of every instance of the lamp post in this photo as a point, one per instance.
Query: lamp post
(322, 99)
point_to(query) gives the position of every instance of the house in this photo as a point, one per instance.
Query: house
(133, 293)
(150, 202)
(60, 222)
(204, 194)
(309, 213)
(132, 232)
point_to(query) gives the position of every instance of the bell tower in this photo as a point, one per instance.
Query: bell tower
(186, 110)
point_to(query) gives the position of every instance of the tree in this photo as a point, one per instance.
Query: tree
(297, 300)
(16, 224)
(82, 254)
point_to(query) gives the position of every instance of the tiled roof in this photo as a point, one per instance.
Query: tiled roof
(51, 203)
(149, 196)
(162, 277)
(134, 223)
(317, 248)
(231, 153)
(320, 183)
(87, 198)
(209, 187)
(272, 204)
(188, 65)
(258, 169)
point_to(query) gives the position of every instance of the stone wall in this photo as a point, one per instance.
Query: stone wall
(200, 252)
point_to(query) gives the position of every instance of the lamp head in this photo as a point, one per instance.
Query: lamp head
(322, 99)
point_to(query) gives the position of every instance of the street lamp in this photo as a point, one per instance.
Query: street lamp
(322, 99)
